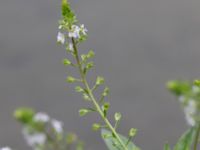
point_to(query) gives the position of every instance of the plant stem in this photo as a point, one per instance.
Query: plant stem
(197, 137)
(91, 95)
(53, 141)
(129, 139)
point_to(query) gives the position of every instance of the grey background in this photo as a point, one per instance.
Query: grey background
(140, 44)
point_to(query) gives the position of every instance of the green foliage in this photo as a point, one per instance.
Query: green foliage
(83, 112)
(112, 142)
(86, 97)
(70, 35)
(179, 87)
(79, 89)
(90, 54)
(42, 132)
(89, 65)
(71, 138)
(71, 79)
(66, 62)
(167, 147)
(96, 126)
(197, 82)
(24, 115)
(80, 146)
(188, 94)
(84, 58)
(186, 140)
(106, 91)
(67, 13)
(105, 108)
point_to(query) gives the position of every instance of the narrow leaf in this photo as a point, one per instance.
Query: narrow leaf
(167, 147)
(186, 140)
(112, 142)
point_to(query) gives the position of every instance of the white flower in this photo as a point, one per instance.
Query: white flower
(74, 35)
(83, 29)
(190, 108)
(61, 38)
(34, 139)
(41, 117)
(5, 148)
(70, 47)
(57, 125)
(75, 32)
(60, 27)
(181, 99)
(190, 120)
(76, 28)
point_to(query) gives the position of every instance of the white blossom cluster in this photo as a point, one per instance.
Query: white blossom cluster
(5, 148)
(190, 111)
(44, 118)
(190, 107)
(35, 139)
(75, 32)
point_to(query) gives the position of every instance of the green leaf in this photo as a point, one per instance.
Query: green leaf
(112, 142)
(80, 146)
(167, 147)
(186, 140)
(71, 138)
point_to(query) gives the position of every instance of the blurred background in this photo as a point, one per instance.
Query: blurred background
(140, 45)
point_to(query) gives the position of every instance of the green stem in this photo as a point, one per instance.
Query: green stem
(53, 141)
(196, 140)
(129, 139)
(90, 93)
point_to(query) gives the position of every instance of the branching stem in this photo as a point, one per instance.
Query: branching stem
(91, 95)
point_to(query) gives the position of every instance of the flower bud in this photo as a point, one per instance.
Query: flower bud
(83, 112)
(65, 8)
(24, 115)
(132, 132)
(71, 79)
(96, 126)
(118, 116)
